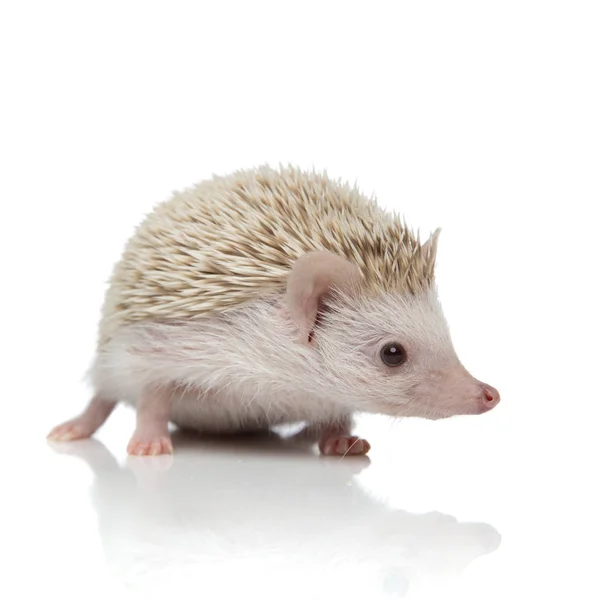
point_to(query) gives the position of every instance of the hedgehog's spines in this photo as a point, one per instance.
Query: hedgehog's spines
(233, 239)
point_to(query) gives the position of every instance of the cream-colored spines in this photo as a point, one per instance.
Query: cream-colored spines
(230, 240)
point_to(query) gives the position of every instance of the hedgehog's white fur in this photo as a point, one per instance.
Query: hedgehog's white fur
(240, 369)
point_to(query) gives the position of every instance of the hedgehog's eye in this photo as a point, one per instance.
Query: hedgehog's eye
(393, 355)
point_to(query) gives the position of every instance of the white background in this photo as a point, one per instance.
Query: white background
(479, 117)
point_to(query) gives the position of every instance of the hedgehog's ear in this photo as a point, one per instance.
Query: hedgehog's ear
(313, 276)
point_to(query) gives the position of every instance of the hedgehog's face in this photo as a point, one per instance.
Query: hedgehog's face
(386, 353)
(393, 354)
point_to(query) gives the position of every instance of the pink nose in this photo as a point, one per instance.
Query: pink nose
(489, 397)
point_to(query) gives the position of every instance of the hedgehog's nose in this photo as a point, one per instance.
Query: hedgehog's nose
(489, 397)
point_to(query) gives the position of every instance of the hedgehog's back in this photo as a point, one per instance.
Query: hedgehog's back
(230, 240)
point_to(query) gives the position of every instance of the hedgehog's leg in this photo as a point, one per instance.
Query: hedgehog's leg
(151, 436)
(336, 439)
(86, 424)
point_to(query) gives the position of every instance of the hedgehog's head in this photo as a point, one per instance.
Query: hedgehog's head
(385, 351)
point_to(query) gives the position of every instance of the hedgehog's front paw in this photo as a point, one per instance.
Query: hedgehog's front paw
(343, 445)
(149, 443)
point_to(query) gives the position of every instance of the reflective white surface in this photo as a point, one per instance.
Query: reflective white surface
(460, 509)
(225, 516)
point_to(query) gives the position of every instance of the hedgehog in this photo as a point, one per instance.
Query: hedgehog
(271, 297)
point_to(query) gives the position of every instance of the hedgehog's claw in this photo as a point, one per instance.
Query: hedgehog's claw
(344, 445)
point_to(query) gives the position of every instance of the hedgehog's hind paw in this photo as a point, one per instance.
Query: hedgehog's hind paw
(75, 429)
(86, 424)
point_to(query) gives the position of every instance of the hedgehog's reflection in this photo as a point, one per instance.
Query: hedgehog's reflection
(264, 515)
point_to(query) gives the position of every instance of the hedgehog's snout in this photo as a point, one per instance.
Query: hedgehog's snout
(456, 392)
(489, 397)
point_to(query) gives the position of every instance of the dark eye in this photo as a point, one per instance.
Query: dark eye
(393, 355)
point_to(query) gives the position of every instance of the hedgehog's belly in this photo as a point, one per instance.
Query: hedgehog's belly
(255, 387)
(221, 413)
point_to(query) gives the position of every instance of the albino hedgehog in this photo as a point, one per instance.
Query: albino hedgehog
(270, 297)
